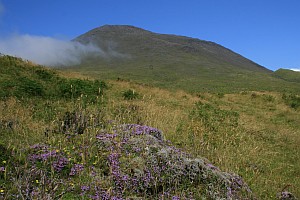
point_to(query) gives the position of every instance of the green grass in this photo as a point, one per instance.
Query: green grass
(24, 80)
(253, 134)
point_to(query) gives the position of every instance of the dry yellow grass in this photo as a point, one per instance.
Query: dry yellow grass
(264, 148)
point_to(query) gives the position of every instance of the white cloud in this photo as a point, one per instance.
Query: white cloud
(295, 69)
(46, 50)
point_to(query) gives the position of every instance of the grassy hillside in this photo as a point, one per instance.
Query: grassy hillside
(288, 75)
(172, 62)
(66, 138)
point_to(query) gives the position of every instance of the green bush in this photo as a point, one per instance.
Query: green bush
(130, 94)
(269, 98)
(44, 74)
(21, 87)
(292, 100)
(27, 87)
(74, 88)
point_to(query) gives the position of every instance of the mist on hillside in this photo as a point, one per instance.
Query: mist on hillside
(49, 51)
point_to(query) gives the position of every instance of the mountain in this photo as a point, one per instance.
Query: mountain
(171, 61)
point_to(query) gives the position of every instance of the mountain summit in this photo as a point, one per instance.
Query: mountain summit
(142, 44)
(170, 61)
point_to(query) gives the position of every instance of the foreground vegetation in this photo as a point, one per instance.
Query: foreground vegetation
(66, 138)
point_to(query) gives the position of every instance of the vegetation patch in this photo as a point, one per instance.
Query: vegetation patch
(130, 94)
(292, 100)
(129, 160)
(213, 117)
(63, 138)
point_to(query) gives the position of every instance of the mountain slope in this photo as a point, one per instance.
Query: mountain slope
(172, 61)
(142, 44)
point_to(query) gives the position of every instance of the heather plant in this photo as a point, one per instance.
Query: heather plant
(120, 161)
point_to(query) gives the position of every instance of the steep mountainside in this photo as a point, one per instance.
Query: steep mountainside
(171, 61)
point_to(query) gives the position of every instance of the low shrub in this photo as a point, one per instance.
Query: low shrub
(130, 94)
(292, 100)
(213, 117)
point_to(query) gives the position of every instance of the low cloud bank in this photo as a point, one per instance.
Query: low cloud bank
(295, 69)
(48, 51)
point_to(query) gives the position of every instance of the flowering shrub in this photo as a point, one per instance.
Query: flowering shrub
(128, 160)
(142, 162)
(285, 195)
(44, 156)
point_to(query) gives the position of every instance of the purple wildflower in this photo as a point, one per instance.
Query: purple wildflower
(213, 167)
(60, 163)
(137, 129)
(2, 169)
(285, 195)
(85, 188)
(116, 198)
(106, 136)
(100, 194)
(39, 146)
(76, 169)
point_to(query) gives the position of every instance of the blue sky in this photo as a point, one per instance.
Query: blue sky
(265, 31)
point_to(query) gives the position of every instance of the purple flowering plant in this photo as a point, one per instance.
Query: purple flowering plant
(125, 160)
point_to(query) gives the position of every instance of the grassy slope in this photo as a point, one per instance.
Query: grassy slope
(167, 79)
(262, 147)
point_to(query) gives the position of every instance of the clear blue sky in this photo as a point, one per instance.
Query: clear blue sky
(265, 31)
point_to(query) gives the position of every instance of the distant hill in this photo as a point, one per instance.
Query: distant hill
(171, 61)
(288, 75)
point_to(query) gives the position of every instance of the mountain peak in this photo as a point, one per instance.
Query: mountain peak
(121, 29)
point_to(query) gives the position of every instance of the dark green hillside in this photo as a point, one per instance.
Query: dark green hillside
(173, 62)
